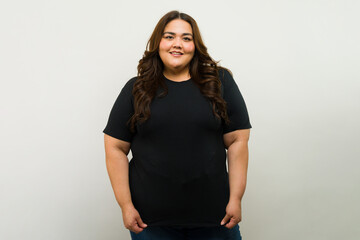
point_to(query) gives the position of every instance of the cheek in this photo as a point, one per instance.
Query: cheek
(190, 48)
(163, 46)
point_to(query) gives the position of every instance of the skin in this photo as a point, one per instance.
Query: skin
(117, 163)
(236, 143)
(177, 68)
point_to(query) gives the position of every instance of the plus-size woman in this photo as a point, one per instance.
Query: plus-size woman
(181, 116)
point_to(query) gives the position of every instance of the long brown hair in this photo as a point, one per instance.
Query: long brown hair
(202, 68)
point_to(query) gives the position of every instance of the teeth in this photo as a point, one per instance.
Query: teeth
(176, 53)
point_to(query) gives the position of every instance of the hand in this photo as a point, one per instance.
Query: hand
(233, 213)
(132, 219)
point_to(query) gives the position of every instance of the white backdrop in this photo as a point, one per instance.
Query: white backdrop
(63, 63)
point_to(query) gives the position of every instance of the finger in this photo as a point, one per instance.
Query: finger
(137, 232)
(140, 222)
(225, 219)
(232, 223)
(136, 229)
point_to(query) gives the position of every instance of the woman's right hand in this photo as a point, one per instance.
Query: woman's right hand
(132, 219)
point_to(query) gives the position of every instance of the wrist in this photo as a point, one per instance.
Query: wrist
(235, 199)
(126, 205)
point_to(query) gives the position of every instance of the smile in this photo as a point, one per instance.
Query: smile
(176, 54)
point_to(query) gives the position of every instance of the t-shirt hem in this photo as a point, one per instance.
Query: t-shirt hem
(116, 136)
(184, 225)
(236, 128)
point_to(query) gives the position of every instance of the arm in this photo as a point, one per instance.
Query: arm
(238, 154)
(117, 165)
(237, 144)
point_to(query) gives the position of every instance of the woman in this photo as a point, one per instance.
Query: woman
(179, 115)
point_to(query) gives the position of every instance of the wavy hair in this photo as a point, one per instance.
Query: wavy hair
(204, 71)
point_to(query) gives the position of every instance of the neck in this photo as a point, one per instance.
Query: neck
(174, 74)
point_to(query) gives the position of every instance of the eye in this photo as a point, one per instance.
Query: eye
(167, 37)
(187, 39)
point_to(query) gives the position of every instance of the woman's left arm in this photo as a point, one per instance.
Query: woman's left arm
(236, 143)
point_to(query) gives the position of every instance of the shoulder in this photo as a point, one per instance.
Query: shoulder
(130, 82)
(223, 71)
(129, 85)
(127, 89)
(225, 75)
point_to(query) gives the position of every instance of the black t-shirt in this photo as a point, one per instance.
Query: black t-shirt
(178, 175)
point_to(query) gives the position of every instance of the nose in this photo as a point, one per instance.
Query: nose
(177, 43)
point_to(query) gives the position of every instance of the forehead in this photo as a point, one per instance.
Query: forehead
(178, 26)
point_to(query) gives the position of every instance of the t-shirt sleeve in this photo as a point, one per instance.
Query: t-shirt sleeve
(236, 107)
(120, 114)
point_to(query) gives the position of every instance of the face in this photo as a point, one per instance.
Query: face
(177, 37)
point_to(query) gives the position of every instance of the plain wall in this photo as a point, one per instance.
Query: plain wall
(63, 63)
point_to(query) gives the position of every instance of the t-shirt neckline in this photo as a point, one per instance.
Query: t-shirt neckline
(188, 80)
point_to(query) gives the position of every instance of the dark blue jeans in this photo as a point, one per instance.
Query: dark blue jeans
(177, 233)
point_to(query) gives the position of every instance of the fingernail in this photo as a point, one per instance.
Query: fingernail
(222, 223)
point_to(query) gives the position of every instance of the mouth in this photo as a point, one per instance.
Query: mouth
(176, 53)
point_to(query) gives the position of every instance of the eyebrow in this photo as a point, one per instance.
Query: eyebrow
(172, 33)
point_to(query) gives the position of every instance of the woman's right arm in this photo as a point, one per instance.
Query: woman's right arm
(117, 164)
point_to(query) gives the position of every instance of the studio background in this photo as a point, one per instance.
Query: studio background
(63, 63)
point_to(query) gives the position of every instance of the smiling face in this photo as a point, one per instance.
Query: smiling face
(177, 37)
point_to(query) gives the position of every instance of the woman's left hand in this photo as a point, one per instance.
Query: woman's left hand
(233, 213)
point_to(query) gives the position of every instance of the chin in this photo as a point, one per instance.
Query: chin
(178, 66)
